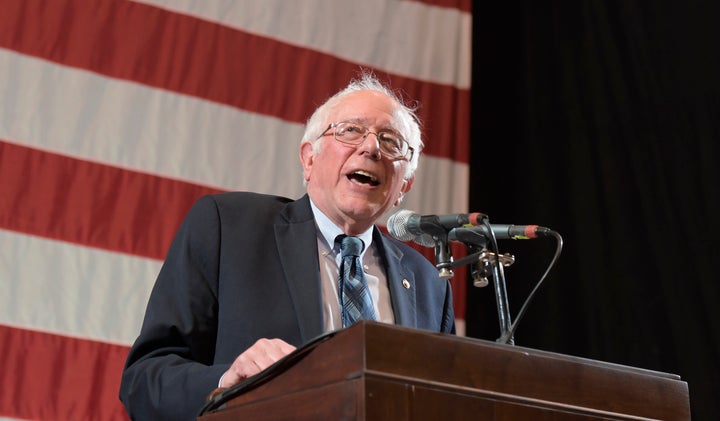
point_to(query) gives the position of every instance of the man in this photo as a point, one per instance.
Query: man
(249, 277)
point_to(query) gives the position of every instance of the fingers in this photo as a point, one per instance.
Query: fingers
(266, 352)
(261, 355)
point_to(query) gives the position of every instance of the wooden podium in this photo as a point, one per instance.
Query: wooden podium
(373, 371)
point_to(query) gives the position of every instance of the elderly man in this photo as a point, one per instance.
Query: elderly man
(249, 277)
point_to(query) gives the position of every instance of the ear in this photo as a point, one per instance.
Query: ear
(406, 186)
(307, 157)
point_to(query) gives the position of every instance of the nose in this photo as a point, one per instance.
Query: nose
(371, 147)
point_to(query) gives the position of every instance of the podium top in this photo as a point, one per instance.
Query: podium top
(468, 366)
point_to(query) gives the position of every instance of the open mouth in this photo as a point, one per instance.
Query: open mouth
(362, 177)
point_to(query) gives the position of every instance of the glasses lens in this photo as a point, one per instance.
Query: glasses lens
(392, 144)
(349, 132)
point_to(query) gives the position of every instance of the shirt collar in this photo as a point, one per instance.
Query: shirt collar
(330, 231)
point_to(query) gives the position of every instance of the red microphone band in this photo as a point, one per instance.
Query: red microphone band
(531, 231)
(475, 218)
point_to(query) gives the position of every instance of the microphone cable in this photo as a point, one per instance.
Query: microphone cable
(501, 298)
(506, 338)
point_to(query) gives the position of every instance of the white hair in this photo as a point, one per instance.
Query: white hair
(405, 117)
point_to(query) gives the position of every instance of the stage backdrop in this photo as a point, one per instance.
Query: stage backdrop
(115, 116)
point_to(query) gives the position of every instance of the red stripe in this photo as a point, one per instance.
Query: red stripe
(138, 42)
(96, 205)
(50, 377)
(462, 5)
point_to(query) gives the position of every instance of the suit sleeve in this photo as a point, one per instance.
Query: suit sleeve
(169, 371)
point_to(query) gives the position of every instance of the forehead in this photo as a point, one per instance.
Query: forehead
(369, 107)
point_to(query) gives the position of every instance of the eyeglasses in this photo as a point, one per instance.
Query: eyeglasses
(392, 144)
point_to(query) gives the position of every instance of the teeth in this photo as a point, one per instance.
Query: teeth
(366, 174)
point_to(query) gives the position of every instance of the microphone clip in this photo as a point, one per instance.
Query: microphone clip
(443, 257)
(482, 271)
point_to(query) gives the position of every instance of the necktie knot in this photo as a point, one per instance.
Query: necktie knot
(350, 246)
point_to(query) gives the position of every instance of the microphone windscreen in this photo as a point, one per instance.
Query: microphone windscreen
(397, 225)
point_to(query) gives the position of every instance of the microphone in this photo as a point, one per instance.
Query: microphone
(406, 225)
(501, 231)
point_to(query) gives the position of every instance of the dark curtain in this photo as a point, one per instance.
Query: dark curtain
(601, 120)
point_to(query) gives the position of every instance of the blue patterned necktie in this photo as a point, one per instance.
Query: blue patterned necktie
(355, 301)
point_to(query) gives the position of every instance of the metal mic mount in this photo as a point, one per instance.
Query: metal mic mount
(443, 258)
(481, 271)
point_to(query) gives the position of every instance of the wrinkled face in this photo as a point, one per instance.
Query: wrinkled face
(355, 185)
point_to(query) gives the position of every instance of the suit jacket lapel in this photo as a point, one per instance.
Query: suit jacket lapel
(401, 282)
(296, 239)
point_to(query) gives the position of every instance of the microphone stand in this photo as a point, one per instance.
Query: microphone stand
(496, 262)
(483, 264)
(501, 299)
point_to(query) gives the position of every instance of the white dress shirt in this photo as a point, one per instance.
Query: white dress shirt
(329, 259)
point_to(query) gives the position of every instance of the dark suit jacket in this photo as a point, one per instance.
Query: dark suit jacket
(244, 266)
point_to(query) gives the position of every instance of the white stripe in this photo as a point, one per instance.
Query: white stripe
(85, 115)
(441, 186)
(402, 37)
(72, 290)
(81, 114)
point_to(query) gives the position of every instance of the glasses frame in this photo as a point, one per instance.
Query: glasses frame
(408, 155)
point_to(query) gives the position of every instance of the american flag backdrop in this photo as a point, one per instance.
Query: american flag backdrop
(116, 115)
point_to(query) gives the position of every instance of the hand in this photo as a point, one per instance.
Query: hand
(261, 355)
